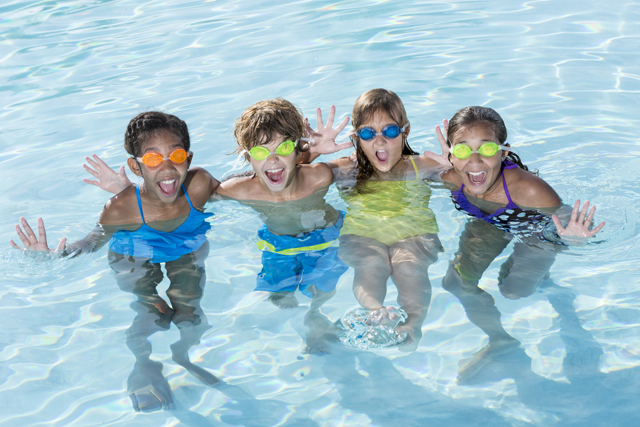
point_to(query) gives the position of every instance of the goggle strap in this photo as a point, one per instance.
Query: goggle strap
(236, 163)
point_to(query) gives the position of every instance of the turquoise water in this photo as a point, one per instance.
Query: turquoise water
(563, 75)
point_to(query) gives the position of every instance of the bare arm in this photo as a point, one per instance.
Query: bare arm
(32, 243)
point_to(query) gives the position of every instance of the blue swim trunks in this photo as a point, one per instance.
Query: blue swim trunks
(290, 262)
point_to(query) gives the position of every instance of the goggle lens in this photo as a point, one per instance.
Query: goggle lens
(284, 149)
(389, 132)
(488, 149)
(153, 159)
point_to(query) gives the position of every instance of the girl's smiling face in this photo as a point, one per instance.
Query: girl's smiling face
(383, 153)
(164, 180)
(480, 174)
(275, 171)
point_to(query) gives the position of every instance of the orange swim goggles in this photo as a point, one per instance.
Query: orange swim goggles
(153, 159)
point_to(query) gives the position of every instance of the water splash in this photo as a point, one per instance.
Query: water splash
(368, 329)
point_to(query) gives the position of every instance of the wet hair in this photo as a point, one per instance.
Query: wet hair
(470, 116)
(365, 108)
(145, 125)
(259, 124)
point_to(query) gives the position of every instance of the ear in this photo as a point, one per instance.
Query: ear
(406, 131)
(189, 158)
(134, 166)
(505, 153)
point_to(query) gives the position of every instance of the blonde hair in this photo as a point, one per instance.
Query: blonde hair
(260, 123)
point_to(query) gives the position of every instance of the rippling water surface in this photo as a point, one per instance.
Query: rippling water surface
(563, 75)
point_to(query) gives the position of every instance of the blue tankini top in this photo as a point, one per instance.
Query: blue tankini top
(163, 246)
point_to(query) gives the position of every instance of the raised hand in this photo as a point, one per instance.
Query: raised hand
(108, 179)
(33, 243)
(323, 140)
(443, 158)
(579, 225)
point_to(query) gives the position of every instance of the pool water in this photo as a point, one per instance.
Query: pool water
(563, 75)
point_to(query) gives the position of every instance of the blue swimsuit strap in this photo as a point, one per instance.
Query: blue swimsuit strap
(187, 196)
(140, 204)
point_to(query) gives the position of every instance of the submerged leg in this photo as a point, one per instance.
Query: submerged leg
(147, 387)
(410, 261)
(528, 265)
(480, 244)
(320, 330)
(370, 260)
(187, 275)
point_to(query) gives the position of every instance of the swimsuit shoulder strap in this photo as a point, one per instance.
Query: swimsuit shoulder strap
(184, 190)
(506, 190)
(415, 168)
(139, 203)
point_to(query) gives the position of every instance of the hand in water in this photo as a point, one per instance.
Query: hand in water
(324, 139)
(108, 179)
(33, 243)
(579, 224)
(443, 158)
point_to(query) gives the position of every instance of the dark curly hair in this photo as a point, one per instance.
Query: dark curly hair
(144, 125)
(469, 116)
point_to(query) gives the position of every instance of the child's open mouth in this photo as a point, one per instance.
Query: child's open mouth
(275, 175)
(476, 178)
(168, 188)
(382, 156)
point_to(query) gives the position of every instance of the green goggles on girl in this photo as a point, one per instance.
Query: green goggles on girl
(261, 152)
(367, 134)
(488, 149)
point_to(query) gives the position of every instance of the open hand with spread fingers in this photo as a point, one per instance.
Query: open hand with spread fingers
(108, 179)
(33, 243)
(443, 158)
(579, 225)
(323, 140)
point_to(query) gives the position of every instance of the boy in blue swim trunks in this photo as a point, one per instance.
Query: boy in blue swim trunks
(160, 221)
(301, 230)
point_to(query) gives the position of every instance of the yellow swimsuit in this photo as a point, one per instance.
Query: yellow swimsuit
(391, 211)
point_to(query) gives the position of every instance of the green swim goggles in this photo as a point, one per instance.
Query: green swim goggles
(488, 149)
(284, 149)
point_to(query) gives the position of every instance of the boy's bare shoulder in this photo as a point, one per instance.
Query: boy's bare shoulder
(316, 174)
(529, 190)
(121, 208)
(200, 185)
(341, 163)
(238, 187)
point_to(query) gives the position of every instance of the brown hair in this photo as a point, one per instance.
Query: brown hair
(366, 106)
(259, 124)
(144, 125)
(469, 116)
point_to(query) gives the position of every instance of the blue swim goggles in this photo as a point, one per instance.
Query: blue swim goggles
(367, 134)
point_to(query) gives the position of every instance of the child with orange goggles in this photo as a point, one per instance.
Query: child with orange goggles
(145, 226)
